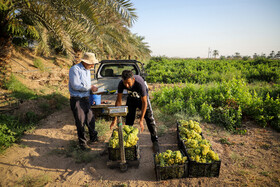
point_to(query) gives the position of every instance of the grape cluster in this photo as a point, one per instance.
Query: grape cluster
(198, 149)
(169, 158)
(191, 125)
(129, 135)
(189, 130)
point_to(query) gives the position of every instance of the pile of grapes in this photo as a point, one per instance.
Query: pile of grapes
(129, 135)
(198, 149)
(169, 158)
(189, 130)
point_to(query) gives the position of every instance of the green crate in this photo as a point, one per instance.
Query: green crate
(171, 172)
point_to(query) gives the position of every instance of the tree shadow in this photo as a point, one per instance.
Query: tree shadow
(45, 159)
(48, 153)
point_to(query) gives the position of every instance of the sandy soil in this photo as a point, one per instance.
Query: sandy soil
(250, 160)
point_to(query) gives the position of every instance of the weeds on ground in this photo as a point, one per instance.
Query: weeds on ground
(102, 127)
(45, 106)
(12, 128)
(39, 64)
(265, 173)
(242, 172)
(20, 91)
(74, 151)
(161, 130)
(165, 119)
(225, 141)
(34, 181)
(235, 157)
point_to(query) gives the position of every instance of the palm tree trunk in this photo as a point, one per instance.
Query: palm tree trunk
(5, 55)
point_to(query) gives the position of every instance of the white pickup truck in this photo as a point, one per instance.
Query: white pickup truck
(106, 75)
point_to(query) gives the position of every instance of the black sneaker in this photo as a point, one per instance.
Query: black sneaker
(92, 141)
(155, 147)
(85, 147)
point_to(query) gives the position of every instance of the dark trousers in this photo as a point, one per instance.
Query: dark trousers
(83, 116)
(133, 104)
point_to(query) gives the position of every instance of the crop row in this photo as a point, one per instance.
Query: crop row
(201, 71)
(225, 103)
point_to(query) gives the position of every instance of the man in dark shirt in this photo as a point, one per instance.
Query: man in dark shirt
(137, 98)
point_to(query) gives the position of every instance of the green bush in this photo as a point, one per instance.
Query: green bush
(230, 118)
(205, 111)
(225, 103)
(11, 128)
(7, 137)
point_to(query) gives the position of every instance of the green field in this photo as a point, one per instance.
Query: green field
(224, 92)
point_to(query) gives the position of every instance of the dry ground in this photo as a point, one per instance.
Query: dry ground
(250, 160)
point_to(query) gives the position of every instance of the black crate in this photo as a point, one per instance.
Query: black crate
(179, 140)
(171, 172)
(197, 169)
(131, 153)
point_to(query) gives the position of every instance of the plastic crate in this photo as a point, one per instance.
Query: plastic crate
(197, 169)
(171, 172)
(131, 153)
(179, 140)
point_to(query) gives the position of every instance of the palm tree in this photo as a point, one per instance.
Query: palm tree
(277, 55)
(255, 56)
(272, 54)
(84, 24)
(215, 53)
(237, 55)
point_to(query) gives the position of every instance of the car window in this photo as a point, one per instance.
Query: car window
(115, 70)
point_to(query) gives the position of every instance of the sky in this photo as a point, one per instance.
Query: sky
(189, 28)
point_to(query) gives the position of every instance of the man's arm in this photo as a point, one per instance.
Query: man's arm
(143, 111)
(119, 99)
(118, 103)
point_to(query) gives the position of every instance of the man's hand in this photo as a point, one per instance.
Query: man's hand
(142, 125)
(113, 123)
(94, 88)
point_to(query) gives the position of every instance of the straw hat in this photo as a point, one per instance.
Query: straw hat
(89, 58)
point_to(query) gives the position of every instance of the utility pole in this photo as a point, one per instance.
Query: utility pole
(209, 52)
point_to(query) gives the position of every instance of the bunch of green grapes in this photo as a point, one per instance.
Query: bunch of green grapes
(169, 158)
(129, 135)
(188, 134)
(191, 125)
(201, 152)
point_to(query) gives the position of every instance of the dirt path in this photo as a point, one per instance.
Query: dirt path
(251, 159)
(32, 158)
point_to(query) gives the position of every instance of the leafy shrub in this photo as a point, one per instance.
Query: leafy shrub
(11, 128)
(230, 118)
(205, 111)
(6, 136)
(224, 103)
